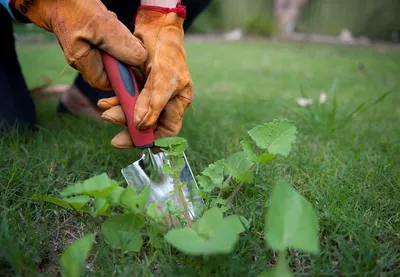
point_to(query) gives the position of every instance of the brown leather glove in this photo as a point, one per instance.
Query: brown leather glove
(168, 89)
(83, 27)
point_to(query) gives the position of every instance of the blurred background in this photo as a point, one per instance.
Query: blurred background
(347, 20)
(375, 19)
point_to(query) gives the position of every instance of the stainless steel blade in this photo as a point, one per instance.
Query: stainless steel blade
(147, 172)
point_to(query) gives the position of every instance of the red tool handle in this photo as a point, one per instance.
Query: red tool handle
(125, 87)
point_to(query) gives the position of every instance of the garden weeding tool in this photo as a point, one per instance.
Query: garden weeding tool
(148, 170)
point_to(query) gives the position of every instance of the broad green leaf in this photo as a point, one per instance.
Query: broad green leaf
(236, 165)
(239, 223)
(187, 240)
(215, 171)
(114, 198)
(277, 136)
(72, 261)
(180, 164)
(212, 177)
(133, 202)
(220, 201)
(172, 145)
(205, 183)
(225, 236)
(101, 207)
(245, 177)
(211, 234)
(155, 240)
(97, 186)
(247, 147)
(77, 202)
(291, 221)
(154, 233)
(152, 210)
(204, 227)
(175, 167)
(177, 150)
(123, 232)
(169, 141)
(281, 269)
(154, 213)
(53, 200)
(167, 169)
(264, 158)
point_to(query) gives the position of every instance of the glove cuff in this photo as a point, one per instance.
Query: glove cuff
(16, 13)
(180, 10)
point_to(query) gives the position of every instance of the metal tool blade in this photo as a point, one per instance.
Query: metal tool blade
(148, 172)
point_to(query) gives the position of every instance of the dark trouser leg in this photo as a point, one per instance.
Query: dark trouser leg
(125, 11)
(193, 8)
(16, 103)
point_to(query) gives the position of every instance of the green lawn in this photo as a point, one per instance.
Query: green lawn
(347, 167)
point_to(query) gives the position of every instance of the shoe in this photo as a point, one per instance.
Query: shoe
(73, 102)
(48, 91)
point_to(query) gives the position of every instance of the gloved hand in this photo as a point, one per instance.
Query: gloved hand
(83, 27)
(168, 89)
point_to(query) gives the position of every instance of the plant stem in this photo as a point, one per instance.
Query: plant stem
(226, 183)
(182, 201)
(234, 192)
(168, 219)
(181, 197)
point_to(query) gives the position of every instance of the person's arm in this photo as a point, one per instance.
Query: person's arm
(83, 29)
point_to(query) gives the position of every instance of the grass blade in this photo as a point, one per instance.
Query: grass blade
(362, 105)
(382, 97)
